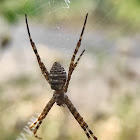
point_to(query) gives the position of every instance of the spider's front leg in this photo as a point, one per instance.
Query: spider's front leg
(72, 64)
(79, 119)
(41, 64)
(34, 126)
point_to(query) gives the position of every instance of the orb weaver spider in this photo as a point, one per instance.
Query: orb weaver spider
(59, 82)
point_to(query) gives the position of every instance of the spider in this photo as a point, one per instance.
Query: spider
(59, 82)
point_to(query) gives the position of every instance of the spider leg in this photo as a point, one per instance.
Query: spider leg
(41, 64)
(91, 133)
(78, 59)
(79, 119)
(70, 73)
(42, 116)
(71, 67)
(40, 122)
(87, 134)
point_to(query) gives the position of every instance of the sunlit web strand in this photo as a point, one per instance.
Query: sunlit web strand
(48, 3)
(102, 21)
(104, 52)
(67, 3)
(106, 15)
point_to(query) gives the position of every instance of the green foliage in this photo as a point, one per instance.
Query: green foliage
(129, 116)
(12, 10)
(124, 106)
(122, 12)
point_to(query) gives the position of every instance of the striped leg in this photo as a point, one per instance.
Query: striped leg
(72, 65)
(78, 59)
(34, 126)
(79, 119)
(41, 64)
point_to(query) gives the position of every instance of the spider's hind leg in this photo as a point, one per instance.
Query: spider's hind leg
(35, 125)
(36, 128)
(79, 119)
(86, 132)
(90, 132)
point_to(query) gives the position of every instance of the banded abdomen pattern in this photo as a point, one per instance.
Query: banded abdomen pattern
(57, 76)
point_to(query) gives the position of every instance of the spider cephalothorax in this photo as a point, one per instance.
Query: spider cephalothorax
(59, 82)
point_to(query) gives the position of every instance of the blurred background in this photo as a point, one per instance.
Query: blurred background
(105, 87)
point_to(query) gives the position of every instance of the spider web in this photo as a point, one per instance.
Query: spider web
(67, 39)
(61, 36)
(58, 36)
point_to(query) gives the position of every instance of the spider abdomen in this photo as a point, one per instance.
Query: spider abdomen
(57, 76)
